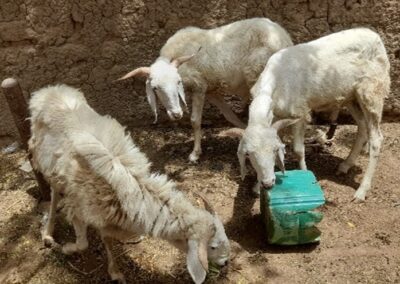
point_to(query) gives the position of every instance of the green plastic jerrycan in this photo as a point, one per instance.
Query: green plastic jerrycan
(287, 208)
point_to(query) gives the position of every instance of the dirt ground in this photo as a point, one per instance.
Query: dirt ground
(360, 242)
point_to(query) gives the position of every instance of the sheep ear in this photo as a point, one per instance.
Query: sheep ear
(151, 98)
(280, 159)
(181, 93)
(196, 260)
(142, 71)
(242, 161)
(180, 60)
(280, 124)
(232, 132)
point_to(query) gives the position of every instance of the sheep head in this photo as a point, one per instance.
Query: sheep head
(213, 245)
(165, 83)
(208, 244)
(218, 245)
(263, 147)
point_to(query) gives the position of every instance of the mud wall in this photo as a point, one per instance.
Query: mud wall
(89, 43)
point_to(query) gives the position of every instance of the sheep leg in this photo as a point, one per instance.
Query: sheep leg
(113, 269)
(257, 188)
(365, 149)
(244, 102)
(81, 242)
(47, 233)
(226, 110)
(370, 99)
(361, 139)
(298, 131)
(197, 111)
(333, 120)
(375, 141)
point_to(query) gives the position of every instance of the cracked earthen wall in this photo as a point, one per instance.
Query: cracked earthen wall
(88, 44)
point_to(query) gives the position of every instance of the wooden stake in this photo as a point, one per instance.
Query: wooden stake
(19, 109)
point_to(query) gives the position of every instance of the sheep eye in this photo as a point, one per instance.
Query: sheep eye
(213, 247)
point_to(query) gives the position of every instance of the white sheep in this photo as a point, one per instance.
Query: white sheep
(106, 183)
(345, 69)
(226, 59)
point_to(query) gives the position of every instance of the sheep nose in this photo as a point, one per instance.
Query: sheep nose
(177, 115)
(268, 183)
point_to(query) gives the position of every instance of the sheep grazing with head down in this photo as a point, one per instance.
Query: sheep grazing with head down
(345, 69)
(229, 58)
(106, 183)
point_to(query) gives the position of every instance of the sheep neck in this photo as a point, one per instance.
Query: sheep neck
(260, 112)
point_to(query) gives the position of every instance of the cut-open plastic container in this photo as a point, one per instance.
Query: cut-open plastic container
(287, 208)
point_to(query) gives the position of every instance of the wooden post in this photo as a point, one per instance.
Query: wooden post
(19, 109)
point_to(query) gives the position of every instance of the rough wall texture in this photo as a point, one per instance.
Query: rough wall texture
(89, 43)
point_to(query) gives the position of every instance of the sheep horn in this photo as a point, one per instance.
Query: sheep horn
(141, 71)
(207, 203)
(232, 132)
(182, 59)
(280, 124)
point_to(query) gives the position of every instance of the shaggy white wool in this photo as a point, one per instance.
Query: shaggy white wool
(106, 182)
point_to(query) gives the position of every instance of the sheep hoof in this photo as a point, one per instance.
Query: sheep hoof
(118, 278)
(343, 168)
(339, 173)
(256, 190)
(48, 241)
(194, 157)
(136, 240)
(359, 196)
(365, 149)
(69, 248)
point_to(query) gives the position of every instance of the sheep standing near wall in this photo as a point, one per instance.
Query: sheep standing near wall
(348, 68)
(225, 59)
(106, 183)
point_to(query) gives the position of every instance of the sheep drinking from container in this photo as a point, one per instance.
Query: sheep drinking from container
(345, 69)
(106, 183)
(229, 58)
